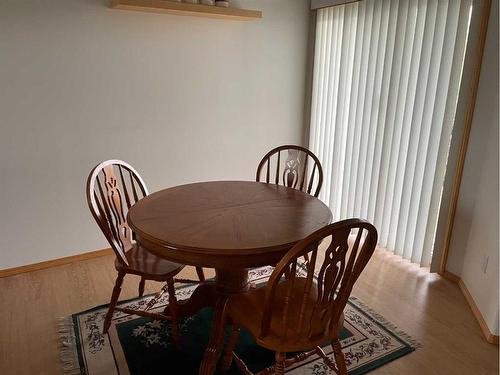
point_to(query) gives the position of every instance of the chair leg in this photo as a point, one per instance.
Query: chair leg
(173, 313)
(142, 284)
(156, 297)
(228, 355)
(114, 299)
(201, 275)
(339, 357)
(280, 363)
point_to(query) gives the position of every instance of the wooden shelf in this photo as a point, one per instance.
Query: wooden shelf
(187, 9)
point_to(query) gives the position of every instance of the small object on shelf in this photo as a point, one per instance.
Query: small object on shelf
(208, 2)
(191, 1)
(220, 3)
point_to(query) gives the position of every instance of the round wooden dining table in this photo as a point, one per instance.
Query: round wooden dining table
(231, 226)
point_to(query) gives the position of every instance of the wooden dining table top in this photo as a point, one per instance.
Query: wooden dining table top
(239, 223)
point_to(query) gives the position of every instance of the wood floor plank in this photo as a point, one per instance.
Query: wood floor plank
(426, 306)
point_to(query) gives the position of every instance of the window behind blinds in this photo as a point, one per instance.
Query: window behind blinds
(385, 86)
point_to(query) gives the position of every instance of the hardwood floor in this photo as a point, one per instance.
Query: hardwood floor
(428, 307)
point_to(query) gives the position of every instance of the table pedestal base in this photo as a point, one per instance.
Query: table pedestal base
(214, 294)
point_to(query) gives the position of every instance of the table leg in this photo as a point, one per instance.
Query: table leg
(212, 352)
(228, 282)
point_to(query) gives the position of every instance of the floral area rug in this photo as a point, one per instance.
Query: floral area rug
(141, 346)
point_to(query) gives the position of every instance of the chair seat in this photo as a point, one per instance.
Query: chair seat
(247, 309)
(146, 264)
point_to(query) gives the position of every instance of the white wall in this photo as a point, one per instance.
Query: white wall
(181, 98)
(476, 228)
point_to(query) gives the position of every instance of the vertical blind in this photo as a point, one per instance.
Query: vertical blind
(385, 86)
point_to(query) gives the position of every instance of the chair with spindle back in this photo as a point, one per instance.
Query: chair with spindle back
(297, 311)
(113, 187)
(296, 173)
(301, 169)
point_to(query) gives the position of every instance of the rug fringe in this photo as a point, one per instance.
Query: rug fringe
(67, 347)
(414, 343)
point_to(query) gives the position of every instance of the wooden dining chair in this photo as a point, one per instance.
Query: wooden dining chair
(292, 166)
(300, 169)
(112, 188)
(300, 309)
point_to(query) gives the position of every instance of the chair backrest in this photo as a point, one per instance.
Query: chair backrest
(323, 289)
(112, 188)
(292, 166)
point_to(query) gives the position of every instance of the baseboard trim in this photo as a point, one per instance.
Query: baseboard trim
(490, 337)
(54, 262)
(451, 276)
